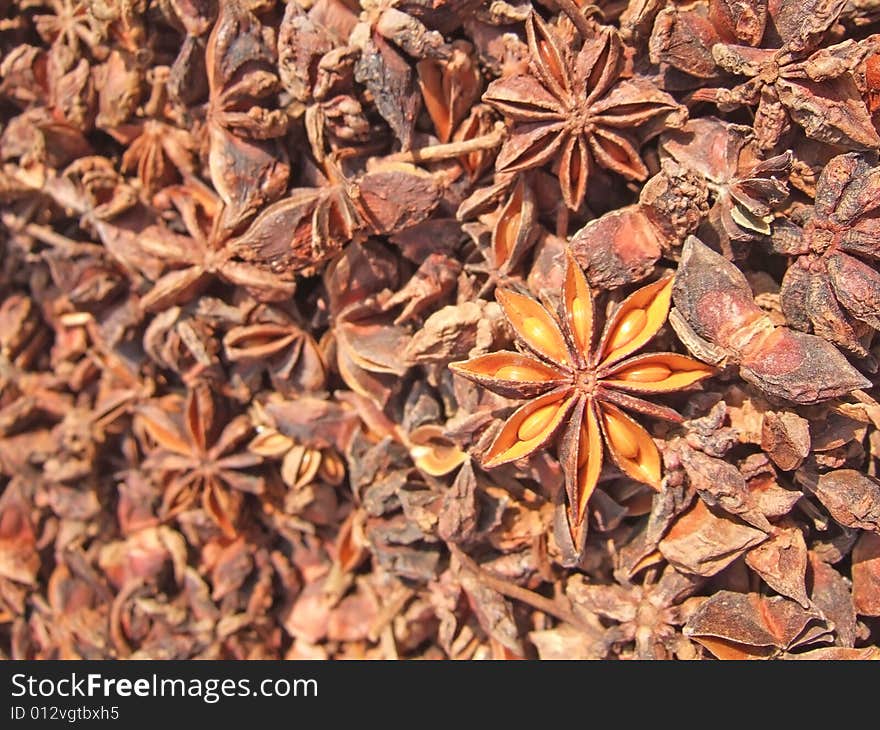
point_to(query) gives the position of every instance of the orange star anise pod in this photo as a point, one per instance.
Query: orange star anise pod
(581, 388)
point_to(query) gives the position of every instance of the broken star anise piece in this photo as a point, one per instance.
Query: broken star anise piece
(745, 190)
(581, 387)
(577, 109)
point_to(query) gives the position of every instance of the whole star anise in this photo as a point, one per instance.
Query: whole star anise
(583, 386)
(797, 79)
(68, 26)
(199, 458)
(578, 109)
(832, 287)
(194, 260)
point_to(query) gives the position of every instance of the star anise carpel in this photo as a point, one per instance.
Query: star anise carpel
(578, 110)
(581, 388)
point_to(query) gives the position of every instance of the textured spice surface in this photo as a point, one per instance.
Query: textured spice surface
(444, 330)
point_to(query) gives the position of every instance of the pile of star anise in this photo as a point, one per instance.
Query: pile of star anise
(440, 329)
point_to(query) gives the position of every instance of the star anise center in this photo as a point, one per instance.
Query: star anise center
(579, 117)
(586, 381)
(770, 72)
(821, 235)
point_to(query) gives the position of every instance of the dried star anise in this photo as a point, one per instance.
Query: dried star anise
(746, 190)
(623, 245)
(449, 88)
(194, 260)
(247, 170)
(796, 80)
(157, 150)
(70, 25)
(578, 109)
(197, 461)
(715, 315)
(829, 289)
(273, 341)
(241, 241)
(646, 615)
(582, 386)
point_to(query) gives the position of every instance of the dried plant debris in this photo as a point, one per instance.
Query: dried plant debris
(450, 330)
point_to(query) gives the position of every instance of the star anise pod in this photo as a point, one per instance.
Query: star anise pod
(196, 460)
(581, 387)
(577, 109)
(449, 88)
(157, 150)
(274, 342)
(797, 81)
(647, 615)
(505, 232)
(718, 320)
(193, 261)
(832, 288)
(300, 464)
(247, 169)
(67, 26)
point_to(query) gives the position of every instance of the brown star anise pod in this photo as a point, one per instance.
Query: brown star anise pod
(157, 150)
(583, 386)
(797, 80)
(67, 26)
(647, 616)
(300, 464)
(273, 341)
(194, 260)
(829, 289)
(449, 88)
(248, 170)
(576, 108)
(196, 460)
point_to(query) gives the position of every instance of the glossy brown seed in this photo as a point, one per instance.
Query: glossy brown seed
(534, 325)
(509, 446)
(630, 327)
(332, 468)
(638, 318)
(621, 435)
(583, 446)
(580, 317)
(519, 372)
(663, 372)
(645, 373)
(536, 330)
(536, 423)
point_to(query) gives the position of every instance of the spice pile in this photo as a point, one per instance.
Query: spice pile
(439, 329)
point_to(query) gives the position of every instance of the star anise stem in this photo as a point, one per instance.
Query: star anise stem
(450, 150)
(518, 593)
(578, 18)
(53, 238)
